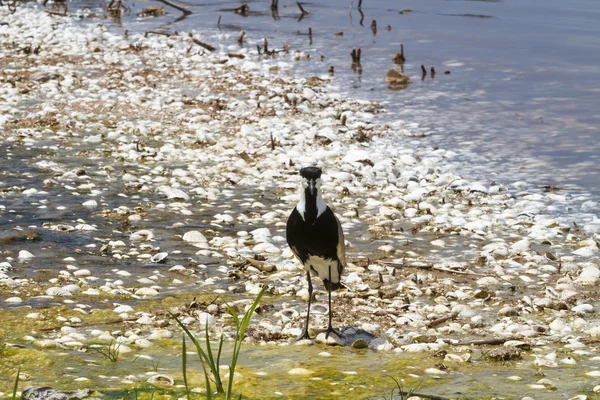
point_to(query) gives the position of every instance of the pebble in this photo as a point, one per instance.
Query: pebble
(142, 235)
(147, 292)
(331, 340)
(160, 334)
(13, 300)
(161, 380)
(300, 371)
(195, 238)
(123, 308)
(159, 257)
(25, 255)
(90, 204)
(547, 383)
(82, 273)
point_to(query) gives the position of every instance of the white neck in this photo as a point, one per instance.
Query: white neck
(301, 206)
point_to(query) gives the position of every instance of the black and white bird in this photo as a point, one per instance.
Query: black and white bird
(316, 238)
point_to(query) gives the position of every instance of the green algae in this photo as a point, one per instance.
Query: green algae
(263, 371)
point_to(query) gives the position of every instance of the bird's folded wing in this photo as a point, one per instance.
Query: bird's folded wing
(296, 252)
(341, 246)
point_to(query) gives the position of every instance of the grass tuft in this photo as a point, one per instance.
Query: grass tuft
(109, 351)
(209, 360)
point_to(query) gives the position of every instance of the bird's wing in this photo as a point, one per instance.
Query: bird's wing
(341, 246)
(296, 252)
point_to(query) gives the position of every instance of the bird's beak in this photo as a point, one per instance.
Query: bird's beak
(312, 186)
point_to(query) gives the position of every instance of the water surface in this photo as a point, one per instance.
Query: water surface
(520, 102)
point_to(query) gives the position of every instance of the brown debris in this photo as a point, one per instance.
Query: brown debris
(396, 79)
(242, 10)
(502, 354)
(203, 44)
(302, 10)
(153, 11)
(399, 57)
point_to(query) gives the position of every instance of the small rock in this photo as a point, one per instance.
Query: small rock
(90, 204)
(160, 334)
(502, 354)
(548, 384)
(143, 235)
(332, 340)
(435, 371)
(161, 379)
(123, 308)
(507, 311)
(159, 257)
(396, 79)
(194, 237)
(147, 292)
(13, 300)
(25, 255)
(300, 371)
(47, 393)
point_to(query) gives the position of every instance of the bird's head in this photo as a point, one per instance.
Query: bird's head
(311, 179)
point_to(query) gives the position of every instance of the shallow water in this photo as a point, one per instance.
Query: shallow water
(520, 102)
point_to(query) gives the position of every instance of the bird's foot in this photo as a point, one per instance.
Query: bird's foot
(303, 336)
(331, 330)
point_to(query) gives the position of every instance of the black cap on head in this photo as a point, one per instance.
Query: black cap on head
(311, 173)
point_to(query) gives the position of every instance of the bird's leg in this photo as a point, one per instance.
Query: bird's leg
(329, 327)
(304, 334)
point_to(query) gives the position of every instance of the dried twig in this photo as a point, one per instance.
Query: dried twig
(431, 267)
(240, 38)
(302, 10)
(160, 33)
(491, 342)
(203, 44)
(441, 320)
(57, 13)
(355, 54)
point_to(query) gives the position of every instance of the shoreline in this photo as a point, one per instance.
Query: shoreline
(214, 132)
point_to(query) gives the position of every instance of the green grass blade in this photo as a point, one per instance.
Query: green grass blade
(240, 333)
(184, 366)
(221, 340)
(246, 319)
(236, 319)
(211, 361)
(14, 395)
(204, 359)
